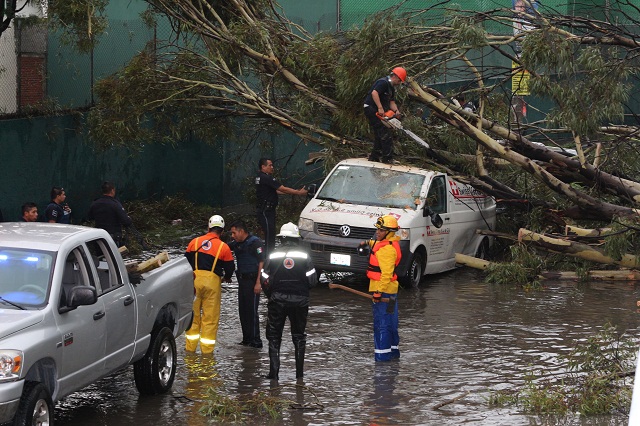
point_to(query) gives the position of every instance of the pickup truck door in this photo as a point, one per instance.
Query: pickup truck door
(117, 295)
(82, 331)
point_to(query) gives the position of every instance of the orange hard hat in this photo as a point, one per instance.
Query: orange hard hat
(401, 73)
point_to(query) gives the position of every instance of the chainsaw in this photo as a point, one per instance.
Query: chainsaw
(390, 120)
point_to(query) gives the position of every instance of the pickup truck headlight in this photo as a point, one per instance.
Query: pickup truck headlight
(404, 234)
(305, 224)
(10, 365)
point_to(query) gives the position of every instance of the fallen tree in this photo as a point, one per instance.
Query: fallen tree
(235, 68)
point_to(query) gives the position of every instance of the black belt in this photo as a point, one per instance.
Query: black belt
(246, 276)
(266, 206)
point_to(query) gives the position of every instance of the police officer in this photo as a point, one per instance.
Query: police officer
(211, 260)
(267, 189)
(58, 211)
(383, 283)
(108, 213)
(287, 276)
(380, 99)
(249, 253)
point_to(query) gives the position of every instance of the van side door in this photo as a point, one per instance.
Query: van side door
(438, 239)
(118, 298)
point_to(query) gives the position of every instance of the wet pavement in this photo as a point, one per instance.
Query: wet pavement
(458, 337)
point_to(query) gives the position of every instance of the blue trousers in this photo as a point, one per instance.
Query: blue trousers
(385, 329)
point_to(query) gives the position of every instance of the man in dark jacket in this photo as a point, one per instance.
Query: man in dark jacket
(287, 276)
(249, 253)
(108, 213)
(380, 99)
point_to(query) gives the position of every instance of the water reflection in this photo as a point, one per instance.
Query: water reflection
(457, 335)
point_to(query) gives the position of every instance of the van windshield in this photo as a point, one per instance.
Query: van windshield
(373, 187)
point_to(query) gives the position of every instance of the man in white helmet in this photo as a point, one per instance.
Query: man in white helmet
(287, 276)
(212, 261)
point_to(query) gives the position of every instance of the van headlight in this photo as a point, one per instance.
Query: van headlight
(10, 365)
(404, 234)
(305, 224)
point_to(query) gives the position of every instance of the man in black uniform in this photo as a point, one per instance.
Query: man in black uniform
(380, 99)
(267, 190)
(108, 213)
(287, 277)
(58, 211)
(249, 252)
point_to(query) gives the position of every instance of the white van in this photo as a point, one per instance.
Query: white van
(344, 209)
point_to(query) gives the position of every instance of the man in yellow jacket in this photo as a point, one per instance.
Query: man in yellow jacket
(383, 260)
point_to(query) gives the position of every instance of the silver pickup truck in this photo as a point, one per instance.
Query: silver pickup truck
(69, 315)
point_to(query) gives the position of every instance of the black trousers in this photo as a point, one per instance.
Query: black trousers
(267, 221)
(383, 137)
(283, 306)
(248, 303)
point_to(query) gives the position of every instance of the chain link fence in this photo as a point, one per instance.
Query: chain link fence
(40, 73)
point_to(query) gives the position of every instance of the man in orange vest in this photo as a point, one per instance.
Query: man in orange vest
(383, 260)
(212, 261)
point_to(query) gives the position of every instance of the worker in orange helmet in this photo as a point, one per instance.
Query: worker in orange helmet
(384, 257)
(381, 99)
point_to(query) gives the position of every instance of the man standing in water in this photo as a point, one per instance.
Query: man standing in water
(287, 277)
(249, 252)
(212, 261)
(383, 260)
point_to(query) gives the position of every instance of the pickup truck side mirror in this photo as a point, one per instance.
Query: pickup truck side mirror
(436, 220)
(80, 296)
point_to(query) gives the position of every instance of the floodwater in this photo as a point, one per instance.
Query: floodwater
(459, 337)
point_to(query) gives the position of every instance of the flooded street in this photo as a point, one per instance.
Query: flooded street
(457, 335)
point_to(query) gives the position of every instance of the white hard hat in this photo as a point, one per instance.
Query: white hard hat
(289, 230)
(216, 221)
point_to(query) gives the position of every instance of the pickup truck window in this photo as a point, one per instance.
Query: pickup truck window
(24, 276)
(107, 270)
(76, 272)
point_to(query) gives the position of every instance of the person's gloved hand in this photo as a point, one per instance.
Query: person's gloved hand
(377, 297)
(391, 305)
(364, 249)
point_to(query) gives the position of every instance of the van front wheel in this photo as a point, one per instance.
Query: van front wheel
(415, 271)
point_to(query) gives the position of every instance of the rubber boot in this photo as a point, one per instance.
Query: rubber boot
(274, 359)
(300, 347)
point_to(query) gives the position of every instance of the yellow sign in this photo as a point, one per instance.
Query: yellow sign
(520, 82)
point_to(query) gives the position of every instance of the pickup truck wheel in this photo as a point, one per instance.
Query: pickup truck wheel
(155, 372)
(415, 271)
(36, 406)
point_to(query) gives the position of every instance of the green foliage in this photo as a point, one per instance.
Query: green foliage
(223, 408)
(522, 269)
(589, 84)
(595, 381)
(623, 238)
(81, 22)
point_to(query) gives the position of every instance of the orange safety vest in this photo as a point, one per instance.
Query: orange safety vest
(373, 270)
